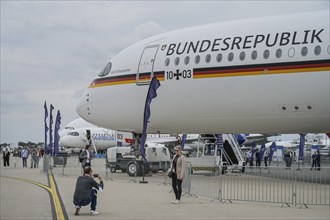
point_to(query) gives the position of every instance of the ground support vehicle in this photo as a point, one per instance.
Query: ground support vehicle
(128, 160)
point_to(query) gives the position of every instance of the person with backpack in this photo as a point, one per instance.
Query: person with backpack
(85, 157)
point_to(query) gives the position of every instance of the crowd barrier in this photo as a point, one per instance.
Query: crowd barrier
(277, 184)
(289, 187)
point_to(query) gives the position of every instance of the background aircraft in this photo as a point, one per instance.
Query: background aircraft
(104, 138)
(77, 123)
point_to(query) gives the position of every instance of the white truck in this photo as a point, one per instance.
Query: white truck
(126, 159)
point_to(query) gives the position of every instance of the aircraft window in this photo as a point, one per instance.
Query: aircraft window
(304, 51)
(317, 50)
(291, 52)
(266, 54)
(230, 56)
(208, 58)
(329, 49)
(106, 70)
(278, 53)
(73, 133)
(197, 59)
(254, 55)
(219, 57)
(186, 60)
(242, 56)
(167, 61)
(176, 61)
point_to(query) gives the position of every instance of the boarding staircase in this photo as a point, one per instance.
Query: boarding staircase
(231, 152)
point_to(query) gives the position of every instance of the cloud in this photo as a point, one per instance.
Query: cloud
(148, 29)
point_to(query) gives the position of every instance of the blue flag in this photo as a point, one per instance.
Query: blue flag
(301, 146)
(183, 141)
(51, 130)
(154, 85)
(241, 138)
(262, 150)
(46, 128)
(56, 134)
(272, 150)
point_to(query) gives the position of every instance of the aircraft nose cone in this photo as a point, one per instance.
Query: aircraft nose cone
(65, 141)
(83, 106)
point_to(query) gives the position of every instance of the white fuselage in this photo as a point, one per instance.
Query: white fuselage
(104, 138)
(264, 75)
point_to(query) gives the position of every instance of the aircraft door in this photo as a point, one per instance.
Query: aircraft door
(87, 136)
(146, 65)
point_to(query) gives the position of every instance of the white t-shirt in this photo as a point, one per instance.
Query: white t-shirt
(87, 152)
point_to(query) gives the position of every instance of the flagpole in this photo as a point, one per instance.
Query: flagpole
(46, 128)
(154, 85)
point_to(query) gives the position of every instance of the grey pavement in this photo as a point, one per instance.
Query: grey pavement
(124, 199)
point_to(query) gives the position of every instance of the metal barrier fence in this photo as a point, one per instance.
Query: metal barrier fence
(273, 185)
(277, 184)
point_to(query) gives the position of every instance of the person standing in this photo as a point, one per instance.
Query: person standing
(266, 156)
(86, 191)
(6, 155)
(39, 155)
(24, 155)
(287, 159)
(314, 160)
(16, 156)
(86, 157)
(318, 160)
(258, 159)
(34, 157)
(178, 168)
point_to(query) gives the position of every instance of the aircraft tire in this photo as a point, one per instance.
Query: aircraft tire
(113, 169)
(133, 168)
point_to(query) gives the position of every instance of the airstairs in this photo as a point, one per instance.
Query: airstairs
(227, 154)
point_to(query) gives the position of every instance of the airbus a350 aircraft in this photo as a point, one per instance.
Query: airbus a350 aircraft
(75, 124)
(207, 72)
(104, 138)
(101, 138)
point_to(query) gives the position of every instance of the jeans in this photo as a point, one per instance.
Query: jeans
(177, 186)
(92, 199)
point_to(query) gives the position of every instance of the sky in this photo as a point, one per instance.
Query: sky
(52, 50)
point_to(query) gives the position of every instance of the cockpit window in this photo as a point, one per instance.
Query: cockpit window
(106, 70)
(73, 133)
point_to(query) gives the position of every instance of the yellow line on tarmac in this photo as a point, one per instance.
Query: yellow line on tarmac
(52, 190)
(57, 203)
(29, 181)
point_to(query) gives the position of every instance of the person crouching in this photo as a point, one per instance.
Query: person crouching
(86, 190)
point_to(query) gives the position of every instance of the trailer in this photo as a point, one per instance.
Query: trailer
(127, 160)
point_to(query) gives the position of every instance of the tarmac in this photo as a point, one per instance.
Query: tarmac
(31, 194)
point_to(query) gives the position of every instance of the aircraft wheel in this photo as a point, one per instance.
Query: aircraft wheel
(132, 168)
(113, 169)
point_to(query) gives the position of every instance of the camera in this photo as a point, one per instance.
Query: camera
(96, 175)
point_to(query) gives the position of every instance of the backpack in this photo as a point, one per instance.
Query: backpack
(80, 157)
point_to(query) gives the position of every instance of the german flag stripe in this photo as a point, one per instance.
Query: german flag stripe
(125, 79)
(224, 71)
(276, 68)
